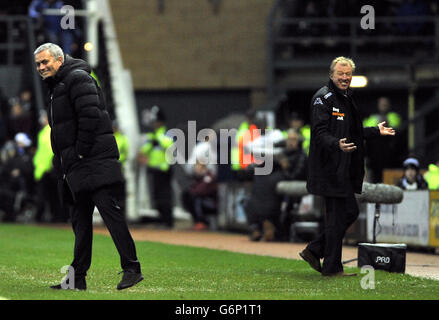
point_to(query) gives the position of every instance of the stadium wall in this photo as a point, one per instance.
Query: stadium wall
(190, 46)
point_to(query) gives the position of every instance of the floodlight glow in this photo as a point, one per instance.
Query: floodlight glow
(359, 81)
(88, 46)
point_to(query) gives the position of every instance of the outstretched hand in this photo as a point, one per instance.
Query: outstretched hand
(385, 131)
(346, 147)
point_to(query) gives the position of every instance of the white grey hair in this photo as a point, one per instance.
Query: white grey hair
(343, 61)
(54, 50)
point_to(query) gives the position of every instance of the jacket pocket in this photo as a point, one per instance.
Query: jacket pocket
(325, 158)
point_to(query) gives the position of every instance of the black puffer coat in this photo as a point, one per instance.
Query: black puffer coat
(86, 153)
(334, 116)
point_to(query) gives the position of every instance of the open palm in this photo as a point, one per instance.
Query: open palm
(385, 131)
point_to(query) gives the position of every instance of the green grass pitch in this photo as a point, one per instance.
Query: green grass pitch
(31, 258)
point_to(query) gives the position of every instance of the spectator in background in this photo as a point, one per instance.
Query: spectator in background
(206, 153)
(45, 177)
(296, 122)
(16, 176)
(263, 209)
(412, 179)
(51, 24)
(384, 107)
(200, 199)
(153, 155)
(432, 176)
(293, 159)
(26, 100)
(294, 162)
(19, 119)
(122, 143)
(256, 131)
(236, 152)
(382, 152)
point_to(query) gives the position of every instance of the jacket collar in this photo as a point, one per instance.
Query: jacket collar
(348, 93)
(68, 65)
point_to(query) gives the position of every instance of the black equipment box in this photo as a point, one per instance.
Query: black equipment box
(383, 256)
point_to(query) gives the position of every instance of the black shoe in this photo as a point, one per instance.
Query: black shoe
(129, 279)
(269, 231)
(255, 233)
(80, 284)
(313, 261)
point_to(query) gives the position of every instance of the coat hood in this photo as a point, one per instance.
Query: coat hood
(71, 64)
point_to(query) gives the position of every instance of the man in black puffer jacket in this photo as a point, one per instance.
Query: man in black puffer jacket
(86, 161)
(336, 164)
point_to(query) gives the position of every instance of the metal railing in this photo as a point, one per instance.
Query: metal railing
(388, 30)
(297, 41)
(14, 42)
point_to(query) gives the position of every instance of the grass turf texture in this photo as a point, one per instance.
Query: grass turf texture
(31, 258)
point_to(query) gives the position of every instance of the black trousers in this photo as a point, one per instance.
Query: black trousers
(340, 214)
(162, 194)
(47, 193)
(199, 206)
(109, 201)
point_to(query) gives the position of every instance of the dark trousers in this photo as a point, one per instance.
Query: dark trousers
(47, 193)
(340, 214)
(161, 192)
(109, 201)
(199, 206)
(7, 198)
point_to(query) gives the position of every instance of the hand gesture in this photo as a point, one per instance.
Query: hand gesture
(346, 147)
(385, 131)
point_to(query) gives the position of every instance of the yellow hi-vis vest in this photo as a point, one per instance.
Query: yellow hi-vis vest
(156, 153)
(393, 119)
(123, 146)
(235, 152)
(432, 177)
(43, 156)
(305, 131)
